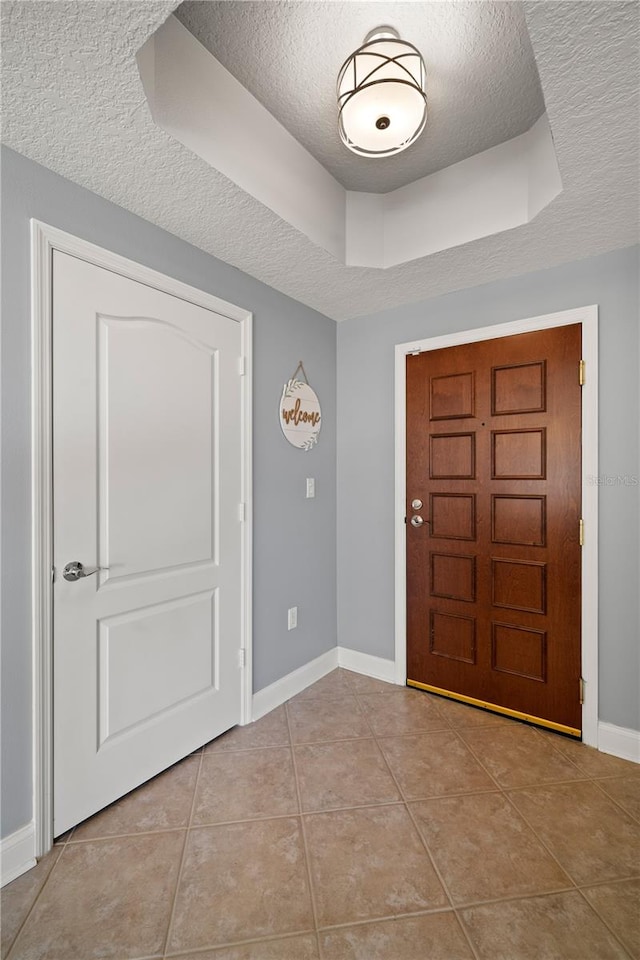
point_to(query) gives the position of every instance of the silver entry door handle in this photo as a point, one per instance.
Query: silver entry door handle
(417, 521)
(77, 571)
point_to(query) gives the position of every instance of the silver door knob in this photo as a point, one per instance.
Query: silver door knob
(77, 571)
(416, 521)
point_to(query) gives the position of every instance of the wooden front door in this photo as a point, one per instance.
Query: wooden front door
(494, 569)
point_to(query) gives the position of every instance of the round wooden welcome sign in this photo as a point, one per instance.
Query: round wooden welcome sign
(300, 415)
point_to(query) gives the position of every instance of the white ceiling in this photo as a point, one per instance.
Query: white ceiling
(483, 85)
(73, 101)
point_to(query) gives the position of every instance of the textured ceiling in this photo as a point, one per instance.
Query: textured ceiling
(73, 101)
(483, 85)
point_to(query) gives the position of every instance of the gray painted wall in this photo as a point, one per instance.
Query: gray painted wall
(366, 452)
(294, 538)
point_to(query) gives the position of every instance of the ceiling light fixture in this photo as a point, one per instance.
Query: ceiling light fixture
(381, 95)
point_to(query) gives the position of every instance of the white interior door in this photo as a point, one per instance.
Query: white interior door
(147, 487)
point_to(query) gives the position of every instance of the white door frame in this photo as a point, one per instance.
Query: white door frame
(44, 240)
(588, 318)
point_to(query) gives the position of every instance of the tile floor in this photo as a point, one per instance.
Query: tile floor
(360, 821)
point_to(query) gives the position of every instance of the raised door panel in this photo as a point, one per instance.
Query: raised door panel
(452, 456)
(453, 637)
(520, 651)
(519, 585)
(452, 397)
(519, 454)
(157, 448)
(453, 516)
(453, 576)
(175, 643)
(519, 519)
(519, 388)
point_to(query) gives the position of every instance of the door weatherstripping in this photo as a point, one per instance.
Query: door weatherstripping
(495, 708)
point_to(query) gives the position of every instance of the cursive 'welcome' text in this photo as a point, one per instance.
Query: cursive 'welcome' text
(296, 415)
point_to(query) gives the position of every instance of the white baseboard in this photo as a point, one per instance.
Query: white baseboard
(295, 682)
(619, 741)
(298, 680)
(367, 664)
(17, 853)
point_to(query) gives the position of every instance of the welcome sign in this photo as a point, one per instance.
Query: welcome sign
(300, 415)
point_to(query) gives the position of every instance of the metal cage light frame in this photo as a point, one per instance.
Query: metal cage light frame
(398, 76)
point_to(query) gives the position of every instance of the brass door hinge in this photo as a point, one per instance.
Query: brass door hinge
(582, 373)
(581, 690)
(581, 531)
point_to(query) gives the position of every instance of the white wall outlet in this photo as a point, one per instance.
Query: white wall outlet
(292, 618)
(311, 487)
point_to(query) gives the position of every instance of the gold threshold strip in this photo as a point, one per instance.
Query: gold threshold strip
(560, 727)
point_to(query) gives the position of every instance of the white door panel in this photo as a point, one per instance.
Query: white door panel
(134, 466)
(147, 481)
(129, 643)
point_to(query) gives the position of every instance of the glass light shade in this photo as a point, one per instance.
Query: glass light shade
(381, 96)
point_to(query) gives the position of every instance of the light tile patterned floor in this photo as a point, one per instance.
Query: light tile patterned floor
(361, 821)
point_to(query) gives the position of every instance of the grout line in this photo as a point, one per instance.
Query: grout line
(542, 784)
(525, 820)
(547, 847)
(119, 836)
(183, 855)
(228, 750)
(269, 938)
(482, 765)
(188, 829)
(418, 831)
(418, 732)
(63, 843)
(616, 802)
(354, 806)
(514, 898)
(432, 859)
(606, 923)
(547, 737)
(613, 776)
(606, 883)
(148, 956)
(305, 845)
(322, 743)
(556, 742)
(521, 786)
(36, 898)
(478, 792)
(466, 933)
(532, 896)
(330, 927)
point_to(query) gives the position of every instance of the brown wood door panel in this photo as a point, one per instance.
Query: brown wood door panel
(493, 577)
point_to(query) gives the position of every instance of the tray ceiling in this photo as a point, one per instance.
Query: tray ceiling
(73, 101)
(482, 80)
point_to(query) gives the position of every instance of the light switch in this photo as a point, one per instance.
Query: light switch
(311, 487)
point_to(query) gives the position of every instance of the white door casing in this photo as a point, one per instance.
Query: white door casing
(150, 483)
